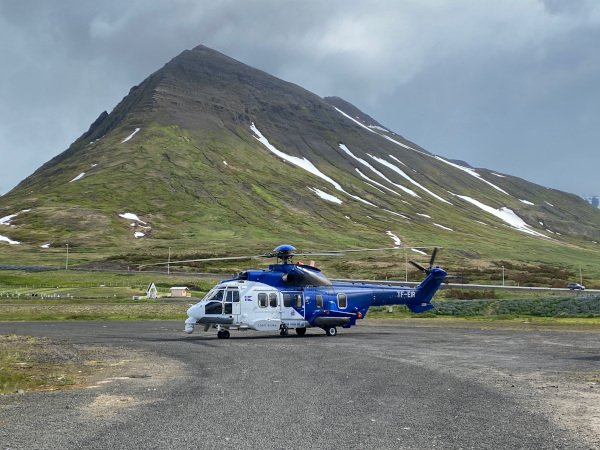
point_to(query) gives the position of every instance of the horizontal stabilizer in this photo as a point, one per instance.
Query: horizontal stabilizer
(419, 307)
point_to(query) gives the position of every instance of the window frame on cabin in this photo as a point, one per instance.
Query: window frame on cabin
(342, 298)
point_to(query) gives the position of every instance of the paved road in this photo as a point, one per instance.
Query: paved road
(405, 386)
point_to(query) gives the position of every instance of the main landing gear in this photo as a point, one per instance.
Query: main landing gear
(330, 331)
(223, 334)
(283, 331)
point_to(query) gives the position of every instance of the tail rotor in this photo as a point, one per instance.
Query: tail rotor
(431, 261)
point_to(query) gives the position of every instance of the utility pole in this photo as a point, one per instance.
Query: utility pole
(169, 262)
(580, 276)
(405, 265)
(67, 261)
(502, 275)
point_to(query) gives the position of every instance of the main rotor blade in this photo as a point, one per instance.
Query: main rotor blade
(356, 250)
(418, 266)
(225, 258)
(433, 253)
(323, 253)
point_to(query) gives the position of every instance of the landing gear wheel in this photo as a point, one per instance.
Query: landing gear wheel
(301, 331)
(223, 334)
(283, 332)
(331, 331)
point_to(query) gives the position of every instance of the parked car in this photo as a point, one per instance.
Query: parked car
(576, 286)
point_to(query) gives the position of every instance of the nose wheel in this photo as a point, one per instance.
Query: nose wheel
(223, 334)
(331, 331)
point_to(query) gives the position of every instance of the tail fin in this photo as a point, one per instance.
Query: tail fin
(427, 289)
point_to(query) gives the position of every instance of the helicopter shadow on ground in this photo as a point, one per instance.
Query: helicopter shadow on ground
(587, 358)
(212, 339)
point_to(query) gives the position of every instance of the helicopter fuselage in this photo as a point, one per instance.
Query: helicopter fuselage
(295, 296)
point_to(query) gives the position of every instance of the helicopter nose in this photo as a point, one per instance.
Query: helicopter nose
(195, 311)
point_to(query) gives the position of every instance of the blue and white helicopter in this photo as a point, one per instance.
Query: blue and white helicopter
(298, 296)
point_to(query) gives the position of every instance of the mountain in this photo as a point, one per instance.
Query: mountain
(210, 156)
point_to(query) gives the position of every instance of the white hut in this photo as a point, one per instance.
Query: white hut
(180, 292)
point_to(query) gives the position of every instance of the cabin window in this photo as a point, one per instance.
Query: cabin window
(294, 300)
(262, 300)
(319, 301)
(214, 308)
(287, 300)
(233, 295)
(273, 300)
(342, 301)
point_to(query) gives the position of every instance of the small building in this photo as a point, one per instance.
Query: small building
(180, 292)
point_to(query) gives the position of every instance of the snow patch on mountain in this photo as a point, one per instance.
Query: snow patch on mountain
(505, 214)
(374, 187)
(400, 162)
(401, 144)
(355, 121)
(131, 216)
(375, 182)
(326, 196)
(396, 239)
(8, 240)
(397, 214)
(6, 219)
(372, 129)
(78, 177)
(471, 172)
(527, 202)
(405, 176)
(130, 136)
(377, 127)
(303, 163)
(369, 166)
(443, 227)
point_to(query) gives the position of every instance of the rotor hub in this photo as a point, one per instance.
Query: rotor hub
(285, 253)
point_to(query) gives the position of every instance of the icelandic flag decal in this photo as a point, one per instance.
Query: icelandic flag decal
(248, 298)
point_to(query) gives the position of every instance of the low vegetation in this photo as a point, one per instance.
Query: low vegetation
(28, 363)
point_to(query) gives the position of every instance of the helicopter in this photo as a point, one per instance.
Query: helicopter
(297, 296)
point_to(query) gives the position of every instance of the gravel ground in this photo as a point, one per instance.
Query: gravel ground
(409, 385)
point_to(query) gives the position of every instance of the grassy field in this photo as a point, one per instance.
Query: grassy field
(28, 363)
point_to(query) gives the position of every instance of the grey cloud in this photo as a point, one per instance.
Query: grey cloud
(495, 84)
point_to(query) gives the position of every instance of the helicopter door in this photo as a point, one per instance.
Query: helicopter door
(231, 303)
(293, 306)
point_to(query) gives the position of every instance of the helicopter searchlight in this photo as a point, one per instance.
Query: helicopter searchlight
(295, 296)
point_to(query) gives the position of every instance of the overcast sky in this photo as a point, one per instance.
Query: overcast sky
(510, 85)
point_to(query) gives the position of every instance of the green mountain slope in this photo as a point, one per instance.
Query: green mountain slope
(209, 156)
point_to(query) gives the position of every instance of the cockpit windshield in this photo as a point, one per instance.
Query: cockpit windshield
(215, 294)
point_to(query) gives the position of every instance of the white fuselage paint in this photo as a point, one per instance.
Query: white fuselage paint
(249, 312)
